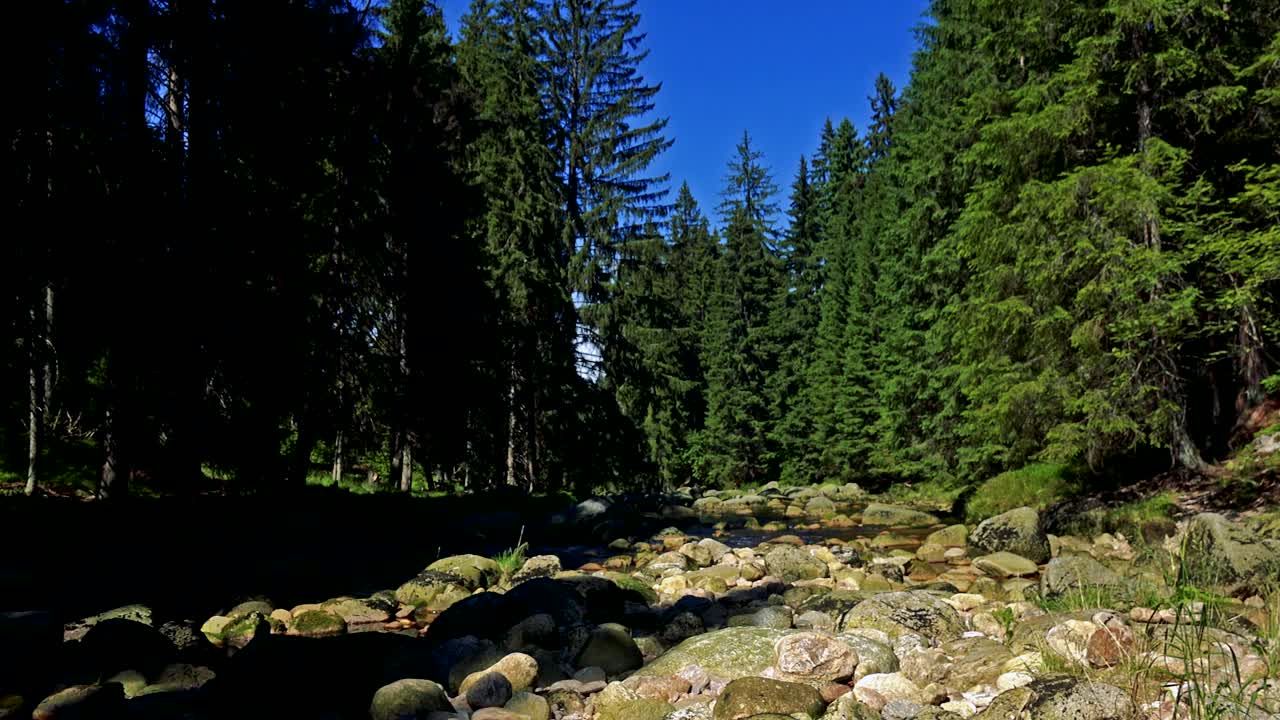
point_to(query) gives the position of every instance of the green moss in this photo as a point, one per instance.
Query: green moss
(1037, 486)
(318, 622)
(628, 582)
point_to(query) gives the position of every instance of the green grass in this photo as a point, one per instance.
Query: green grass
(510, 561)
(1037, 486)
(933, 494)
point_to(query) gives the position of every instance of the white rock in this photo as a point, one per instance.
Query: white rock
(1011, 680)
(965, 602)
(963, 708)
(890, 686)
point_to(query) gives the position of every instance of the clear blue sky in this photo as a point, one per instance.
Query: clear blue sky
(777, 68)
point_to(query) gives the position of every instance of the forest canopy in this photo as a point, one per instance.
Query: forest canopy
(256, 242)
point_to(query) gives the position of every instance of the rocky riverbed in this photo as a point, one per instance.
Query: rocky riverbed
(787, 603)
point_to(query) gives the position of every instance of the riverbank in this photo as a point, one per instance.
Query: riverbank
(821, 602)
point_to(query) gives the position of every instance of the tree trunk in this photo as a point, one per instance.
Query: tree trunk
(302, 448)
(33, 429)
(114, 482)
(337, 459)
(406, 468)
(397, 455)
(511, 433)
(1183, 448)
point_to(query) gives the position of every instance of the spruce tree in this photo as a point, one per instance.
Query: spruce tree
(740, 352)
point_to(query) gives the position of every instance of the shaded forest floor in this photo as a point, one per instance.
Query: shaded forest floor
(186, 555)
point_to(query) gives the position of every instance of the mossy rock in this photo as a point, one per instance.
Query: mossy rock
(894, 515)
(1062, 698)
(755, 696)
(1218, 552)
(949, 537)
(317, 623)
(902, 613)
(791, 563)
(1018, 531)
(611, 648)
(727, 654)
(633, 584)
(1072, 572)
(616, 702)
(423, 590)
(236, 632)
(476, 572)
(408, 698)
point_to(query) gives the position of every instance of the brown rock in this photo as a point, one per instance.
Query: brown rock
(667, 689)
(1109, 645)
(831, 691)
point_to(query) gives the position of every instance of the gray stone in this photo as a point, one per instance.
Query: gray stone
(1220, 552)
(1070, 572)
(724, 654)
(772, 616)
(611, 648)
(902, 613)
(408, 698)
(754, 696)
(1018, 531)
(492, 689)
(791, 563)
(882, 514)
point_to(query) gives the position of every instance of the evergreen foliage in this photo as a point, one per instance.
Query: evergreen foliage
(450, 261)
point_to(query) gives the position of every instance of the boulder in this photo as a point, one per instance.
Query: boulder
(361, 612)
(1005, 565)
(618, 702)
(949, 537)
(814, 658)
(882, 514)
(770, 616)
(1061, 698)
(821, 506)
(83, 702)
(519, 669)
(475, 572)
(611, 648)
(755, 696)
(490, 690)
(874, 656)
(408, 698)
(1018, 531)
(1220, 552)
(537, 566)
(432, 589)
(791, 563)
(882, 688)
(118, 644)
(725, 654)
(903, 613)
(528, 706)
(317, 623)
(847, 707)
(1070, 572)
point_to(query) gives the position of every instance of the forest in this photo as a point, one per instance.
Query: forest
(260, 244)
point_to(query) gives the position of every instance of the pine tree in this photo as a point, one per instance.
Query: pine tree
(603, 146)
(795, 319)
(513, 164)
(843, 160)
(740, 350)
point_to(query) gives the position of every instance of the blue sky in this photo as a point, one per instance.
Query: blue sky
(775, 68)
